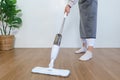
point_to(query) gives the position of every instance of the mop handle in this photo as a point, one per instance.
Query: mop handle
(61, 30)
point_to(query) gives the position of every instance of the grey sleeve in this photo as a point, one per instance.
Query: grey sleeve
(72, 2)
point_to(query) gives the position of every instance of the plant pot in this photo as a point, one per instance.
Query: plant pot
(7, 42)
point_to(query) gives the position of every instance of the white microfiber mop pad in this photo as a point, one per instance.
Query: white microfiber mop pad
(53, 71)
(86, 56)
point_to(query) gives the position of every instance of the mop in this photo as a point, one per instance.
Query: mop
(54, 52)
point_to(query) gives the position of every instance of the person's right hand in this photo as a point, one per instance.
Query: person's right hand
(67, 9)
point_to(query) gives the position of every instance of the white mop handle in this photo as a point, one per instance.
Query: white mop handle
(65, 15)
(54, 53)
(61, 30)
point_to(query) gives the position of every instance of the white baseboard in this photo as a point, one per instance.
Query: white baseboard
(65, 45)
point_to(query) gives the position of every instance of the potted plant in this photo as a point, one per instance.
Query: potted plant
(9, 21)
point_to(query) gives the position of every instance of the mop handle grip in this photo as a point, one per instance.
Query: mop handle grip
(65, 15)
(61, 30)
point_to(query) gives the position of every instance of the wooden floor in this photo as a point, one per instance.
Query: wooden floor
(17, 64)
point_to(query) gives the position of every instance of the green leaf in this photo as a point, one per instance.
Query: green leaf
(10, 2)
(17, 20)
(15, 26)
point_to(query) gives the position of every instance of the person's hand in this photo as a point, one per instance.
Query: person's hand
(67, 9)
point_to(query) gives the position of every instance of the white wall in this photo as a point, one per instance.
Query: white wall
(43, 18)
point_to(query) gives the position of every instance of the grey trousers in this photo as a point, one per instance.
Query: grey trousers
(88, 18)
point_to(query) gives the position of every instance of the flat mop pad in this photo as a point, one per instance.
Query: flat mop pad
(55, 72)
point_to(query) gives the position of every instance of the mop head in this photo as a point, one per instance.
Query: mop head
(53, 71)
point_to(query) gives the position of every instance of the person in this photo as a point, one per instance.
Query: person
(88, 24)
